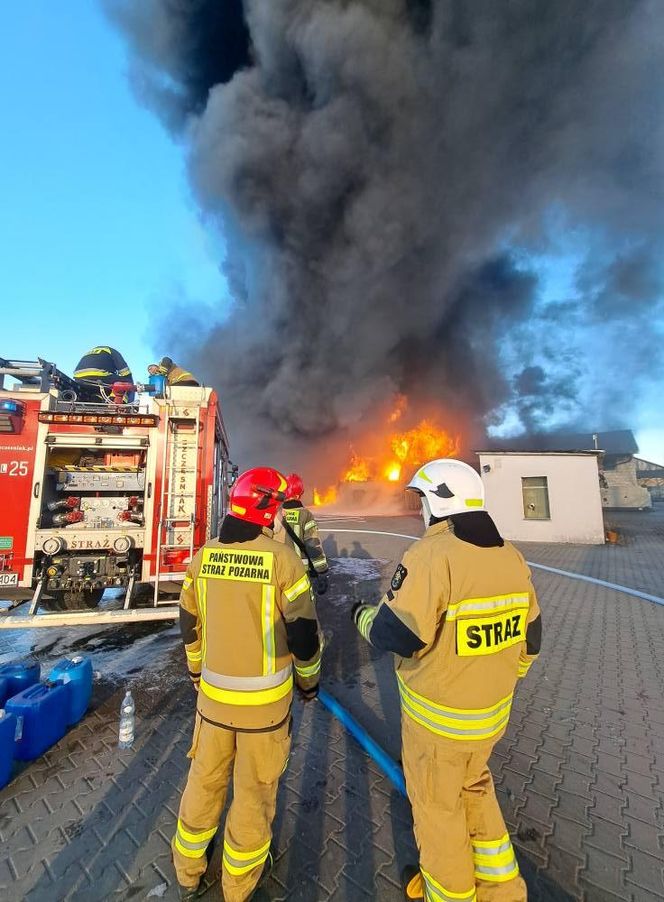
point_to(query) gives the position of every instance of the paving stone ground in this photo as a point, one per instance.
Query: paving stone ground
(579, 774)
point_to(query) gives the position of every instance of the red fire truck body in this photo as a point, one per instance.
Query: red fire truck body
(103, 495)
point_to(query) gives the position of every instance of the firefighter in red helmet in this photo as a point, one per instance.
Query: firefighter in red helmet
(299, 530)
(250, 634)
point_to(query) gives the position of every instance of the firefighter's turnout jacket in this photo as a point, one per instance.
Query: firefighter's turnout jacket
(303, 524)
(177, 375)
(103, 365)
(248, 622)
(465, 625)
(249, 629)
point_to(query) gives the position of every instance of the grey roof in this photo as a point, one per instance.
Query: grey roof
(619, 441)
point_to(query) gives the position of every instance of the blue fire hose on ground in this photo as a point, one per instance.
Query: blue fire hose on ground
(389, 767)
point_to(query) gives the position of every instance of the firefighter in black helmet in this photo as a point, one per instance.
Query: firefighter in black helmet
(101, 366)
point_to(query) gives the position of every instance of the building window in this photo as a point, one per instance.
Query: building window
(535, 497)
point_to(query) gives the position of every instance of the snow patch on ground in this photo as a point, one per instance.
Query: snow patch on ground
(357, 568)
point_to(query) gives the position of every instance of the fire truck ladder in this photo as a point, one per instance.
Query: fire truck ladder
(34, 375)
(178, 480)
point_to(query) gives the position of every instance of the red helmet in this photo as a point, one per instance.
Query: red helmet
(257, 494)
(295, 486)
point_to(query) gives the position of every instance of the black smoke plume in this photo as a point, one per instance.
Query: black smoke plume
(386, 175)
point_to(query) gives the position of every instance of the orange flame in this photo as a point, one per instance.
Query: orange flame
(358, 470)
(404, 452)
(327, 497)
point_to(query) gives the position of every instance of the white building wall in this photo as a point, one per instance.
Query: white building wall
(574, 496)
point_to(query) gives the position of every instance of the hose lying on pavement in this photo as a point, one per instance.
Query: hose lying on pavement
(389, 767)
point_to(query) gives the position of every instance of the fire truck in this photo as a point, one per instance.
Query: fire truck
(103, 493)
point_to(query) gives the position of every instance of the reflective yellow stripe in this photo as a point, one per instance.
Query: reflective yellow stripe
(309, 670)
(365, 621)
(311, 524)
(184, 375)
(297, 589)
(186, 582)
(194, 655)
(437, 892)
(189, 853)
(192, 845)
(124, 372)
(198, 836)
(89, 374)
(267, 619)
(495, 861)
(523, 669)
(238, 863)
(492, 844)
(100, 350)
(487, 606)
(251, 698)
(202, 607)
(455, 723)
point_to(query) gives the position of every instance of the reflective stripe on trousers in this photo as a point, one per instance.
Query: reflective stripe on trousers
(495, 860)
(435, 892)
(192, 843)
(237, 862)
(474, 724)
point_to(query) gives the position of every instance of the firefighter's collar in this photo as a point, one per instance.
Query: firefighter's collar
(438, 528)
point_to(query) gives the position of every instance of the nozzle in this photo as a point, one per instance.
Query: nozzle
(64, 504)
(71, 517)
(131, 516)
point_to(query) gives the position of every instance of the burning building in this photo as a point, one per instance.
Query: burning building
(380, 464)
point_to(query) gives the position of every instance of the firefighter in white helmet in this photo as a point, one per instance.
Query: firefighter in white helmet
(462, 617)
(250, 634)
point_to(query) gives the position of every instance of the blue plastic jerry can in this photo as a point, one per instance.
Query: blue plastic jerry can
(41, 711)
(76, 674)
(7, 734)
(19, 676)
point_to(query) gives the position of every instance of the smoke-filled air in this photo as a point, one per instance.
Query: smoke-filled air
(443, 209)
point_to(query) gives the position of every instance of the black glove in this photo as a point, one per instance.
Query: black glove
(321, 583)
(308, 695)
(355, 610)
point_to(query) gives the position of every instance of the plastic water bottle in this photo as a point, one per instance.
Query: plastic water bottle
(127, 722)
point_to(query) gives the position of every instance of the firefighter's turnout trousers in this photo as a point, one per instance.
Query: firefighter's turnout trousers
(256, 761)
(465, 850)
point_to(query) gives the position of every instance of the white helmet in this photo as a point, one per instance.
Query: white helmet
(447, 487)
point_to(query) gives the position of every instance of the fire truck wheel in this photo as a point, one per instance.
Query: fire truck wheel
(74, 601)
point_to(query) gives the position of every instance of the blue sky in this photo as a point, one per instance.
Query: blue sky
(97, 230)
(98, 233)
